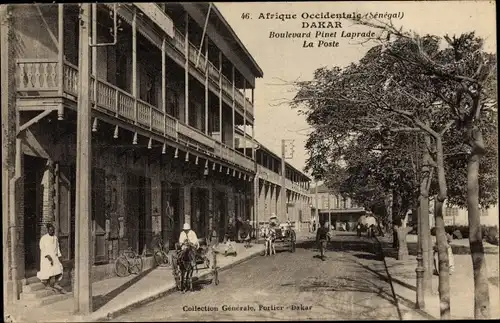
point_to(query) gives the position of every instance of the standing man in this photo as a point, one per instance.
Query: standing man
(51, 269)
(321, 239)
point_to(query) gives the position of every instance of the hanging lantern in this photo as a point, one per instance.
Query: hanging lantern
(196, 161)
(213, 166)
(134, 141)
(150, 143)
(94, 125)
(176, 154)
(164, 150)
(187, 156)
(115, 134)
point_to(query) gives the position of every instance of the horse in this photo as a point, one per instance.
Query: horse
(186, 262)
(269, 234)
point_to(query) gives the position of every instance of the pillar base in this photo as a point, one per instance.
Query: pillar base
(9, 286)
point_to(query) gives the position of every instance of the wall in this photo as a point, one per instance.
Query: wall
(38, 38)
(117, 163)
(489, 217)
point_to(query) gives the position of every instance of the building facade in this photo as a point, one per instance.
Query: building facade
(166, 99)
(269, 190)
(334, 208)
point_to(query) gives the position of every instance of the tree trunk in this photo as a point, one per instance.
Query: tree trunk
(402, 233)
(444, 273)
(424, 230)
(481, 292)
(388, 202)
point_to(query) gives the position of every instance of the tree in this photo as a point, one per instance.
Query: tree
(403, 83)
(377, 173)
(463, 79)
(375, 93)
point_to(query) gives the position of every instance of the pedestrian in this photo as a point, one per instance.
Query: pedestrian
(51, 269)
(314, 225)
(451, 260)
(321, 239)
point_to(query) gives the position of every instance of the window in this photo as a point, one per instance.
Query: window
(344, 203)
(324, 202)
(451, 211)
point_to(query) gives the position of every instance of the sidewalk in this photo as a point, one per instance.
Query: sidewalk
(116, 295)
(403, 276)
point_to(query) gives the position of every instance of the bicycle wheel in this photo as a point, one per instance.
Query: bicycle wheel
(136, 265)
(161, 258)
(121, 267)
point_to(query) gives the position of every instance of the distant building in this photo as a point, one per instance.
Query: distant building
(333, 207)
(459, 216)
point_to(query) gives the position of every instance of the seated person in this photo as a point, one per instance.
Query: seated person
(188, 235)
(273, 221)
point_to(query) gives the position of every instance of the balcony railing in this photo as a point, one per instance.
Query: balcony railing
(213, 72)
(36, 76)
(271, 176)
(195, 134)
(268, 174)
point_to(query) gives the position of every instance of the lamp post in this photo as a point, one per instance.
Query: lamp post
(420, 259)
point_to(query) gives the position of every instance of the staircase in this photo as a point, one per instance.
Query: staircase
(34, 292)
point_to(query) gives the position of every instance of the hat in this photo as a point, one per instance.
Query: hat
(186, 226)
(273, 216)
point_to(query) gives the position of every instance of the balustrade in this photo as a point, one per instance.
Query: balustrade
(213, 72)
(36, 75)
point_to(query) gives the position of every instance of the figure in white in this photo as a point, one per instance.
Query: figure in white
(51, 269)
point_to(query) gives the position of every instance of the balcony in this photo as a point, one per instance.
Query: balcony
(213, 73)
(42, 78)
(268, 175)
(275, 178)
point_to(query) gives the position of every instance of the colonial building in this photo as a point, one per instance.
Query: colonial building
(166, 98)
(269, 189)
(334, 208)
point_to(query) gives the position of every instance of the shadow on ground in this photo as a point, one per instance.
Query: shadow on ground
(101, 300)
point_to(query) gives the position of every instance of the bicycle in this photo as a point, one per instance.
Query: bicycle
(129, 262)
(161, 254)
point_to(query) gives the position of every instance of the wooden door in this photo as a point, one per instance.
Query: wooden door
(63, 220)
(99, 216)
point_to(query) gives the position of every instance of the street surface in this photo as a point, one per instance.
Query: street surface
(288, 286)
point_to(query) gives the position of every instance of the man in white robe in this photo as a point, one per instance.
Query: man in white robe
(51, 269)
(188, 235)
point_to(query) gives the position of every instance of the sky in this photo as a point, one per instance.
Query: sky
(286, 60)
